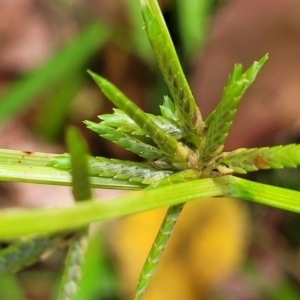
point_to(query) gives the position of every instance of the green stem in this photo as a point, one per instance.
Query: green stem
(265, 194)
(19, 222)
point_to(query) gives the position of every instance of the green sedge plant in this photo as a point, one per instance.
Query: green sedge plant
(184, 157)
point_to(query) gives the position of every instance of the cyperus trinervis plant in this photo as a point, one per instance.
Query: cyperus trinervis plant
(180, 148)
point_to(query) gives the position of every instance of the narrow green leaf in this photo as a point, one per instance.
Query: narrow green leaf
(80, 174)
(81, 191)
(192, 19)
(55, 111)
(65, 62)
(264, 194)
(140, 44)
(220, 120)
(49, 220)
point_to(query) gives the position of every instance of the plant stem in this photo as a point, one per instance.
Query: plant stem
(19, 222)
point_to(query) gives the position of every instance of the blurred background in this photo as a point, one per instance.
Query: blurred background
(222, 248)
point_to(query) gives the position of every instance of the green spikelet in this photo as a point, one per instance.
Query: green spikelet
(122, 123)
(220, 120)
(145, 173)
(126, 170)
(165, 230)
(247, 160)
(179, 154)
(126, 141)
(188, 112)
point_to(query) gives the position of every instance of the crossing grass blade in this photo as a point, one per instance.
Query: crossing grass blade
(220, 120)
(81, 191)
(179, 154)
(188, 112)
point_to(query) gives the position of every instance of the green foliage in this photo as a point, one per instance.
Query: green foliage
(192, 21)
(72, 58)
(10, 288)
(182, 150)
(179, 154)
(79, 166)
